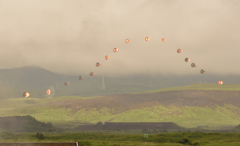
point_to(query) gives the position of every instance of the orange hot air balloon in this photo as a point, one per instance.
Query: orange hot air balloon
(147, 38)
(80, 78)
(127, 40)
(179, 50)
(98, 64)
(115, 50)
(193, 65)
(107, 57)
(66, 83)
(202, 71)
(48, 92)
(220, 82)
(187, 59)
(92, 74)
(163, 39)
(26, 94)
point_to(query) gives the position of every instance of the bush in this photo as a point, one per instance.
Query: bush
(155, 131)
(145, 130)
(185, 141)
(196, 144)
(165, 130)
(40, 136)
(84, 143)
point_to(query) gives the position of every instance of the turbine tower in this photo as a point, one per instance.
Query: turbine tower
(103, 83)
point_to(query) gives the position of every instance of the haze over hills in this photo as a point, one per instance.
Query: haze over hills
(37, 80)
(188, 106)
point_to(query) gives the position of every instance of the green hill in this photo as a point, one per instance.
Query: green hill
(188, 106)
(24, 124)
(35, 80)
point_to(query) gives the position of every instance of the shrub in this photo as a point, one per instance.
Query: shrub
(185, 141)
(40, 136)
(84, 143)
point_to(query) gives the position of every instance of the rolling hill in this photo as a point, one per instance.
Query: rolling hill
(188, 106)
(35, 80)
(139, 98)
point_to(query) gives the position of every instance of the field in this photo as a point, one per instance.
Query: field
(205, 86)
(126, 139)
(190, 106)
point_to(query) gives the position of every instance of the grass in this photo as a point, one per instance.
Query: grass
(189, 117)
(101, 139)
(39, 108)
(203, 86)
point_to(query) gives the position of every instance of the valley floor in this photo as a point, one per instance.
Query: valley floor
(125, 139)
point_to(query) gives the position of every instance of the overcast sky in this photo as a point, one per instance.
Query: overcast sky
(70, 36)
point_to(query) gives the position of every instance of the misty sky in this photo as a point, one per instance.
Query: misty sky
(71, 36)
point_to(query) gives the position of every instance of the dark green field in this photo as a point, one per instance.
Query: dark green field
(124, 139)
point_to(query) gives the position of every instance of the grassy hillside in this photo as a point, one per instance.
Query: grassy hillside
(35, 80)
(220, 116)
(202, 86)
(24, 124)
(188, 106)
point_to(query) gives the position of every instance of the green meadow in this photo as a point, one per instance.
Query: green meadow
(125, 139)
(185, 116)
(203, 86)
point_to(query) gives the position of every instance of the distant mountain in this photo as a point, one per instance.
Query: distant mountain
(36, 80)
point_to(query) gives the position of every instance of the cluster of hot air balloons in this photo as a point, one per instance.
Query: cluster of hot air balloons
(27, 94)
(194, 65)
(48, 92)
(115, 50)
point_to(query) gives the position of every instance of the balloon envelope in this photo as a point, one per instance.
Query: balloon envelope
(92, 74)
(193, 65)
(115, 50)
(147, 38)
(48, 92)
(80, 78)
(187, 59)
(107, 57)
(220, 82)
(26, 94)
(179, 50)
(66, 83)
(202, 71)
(98, 64)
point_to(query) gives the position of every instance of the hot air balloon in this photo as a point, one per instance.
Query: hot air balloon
(187, 59)
(163, 39)
(127, 40)
(92, 74)
(115, 50)
(202, 71)
(80, 78)
(48, 92)
(26, 94)
(107, 57)
(179, 50)
(147, 38)
(66, 83)
(98, 64)
(220, 82)
(193, 65)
